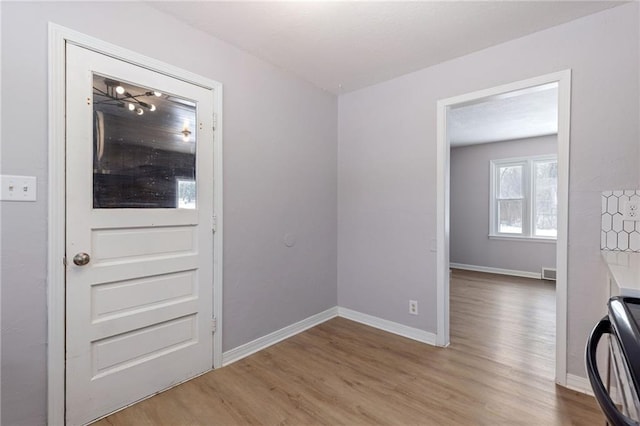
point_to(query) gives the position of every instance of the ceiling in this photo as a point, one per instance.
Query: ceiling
(522, 114)
(344, 46)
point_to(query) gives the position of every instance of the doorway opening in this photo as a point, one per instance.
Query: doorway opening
(510, 218)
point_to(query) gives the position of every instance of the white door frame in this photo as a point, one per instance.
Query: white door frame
(58, 38)
(563, 78)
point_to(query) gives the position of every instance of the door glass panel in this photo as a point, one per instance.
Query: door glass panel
(144, 147)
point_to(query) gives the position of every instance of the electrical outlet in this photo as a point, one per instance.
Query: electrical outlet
(630, 209)
(413, 307)
(17, 188)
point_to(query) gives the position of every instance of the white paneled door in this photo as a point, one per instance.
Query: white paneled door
(139, 243)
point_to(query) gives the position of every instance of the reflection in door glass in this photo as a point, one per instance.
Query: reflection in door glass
(186, 194)
(144, 147)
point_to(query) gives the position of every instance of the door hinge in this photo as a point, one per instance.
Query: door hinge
(215, 121)
(64, 261)
(214, 223)
(214, 325)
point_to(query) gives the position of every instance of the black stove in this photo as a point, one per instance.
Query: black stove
(622, 325)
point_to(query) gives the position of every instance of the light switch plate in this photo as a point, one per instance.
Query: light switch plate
(17, 188)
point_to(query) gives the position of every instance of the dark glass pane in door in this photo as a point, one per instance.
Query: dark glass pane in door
(144, 147)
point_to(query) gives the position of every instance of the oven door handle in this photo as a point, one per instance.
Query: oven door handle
(612, 413)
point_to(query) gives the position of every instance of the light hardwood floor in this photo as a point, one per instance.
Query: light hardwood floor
(498, 370)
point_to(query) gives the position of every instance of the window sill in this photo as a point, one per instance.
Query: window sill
(523, 239)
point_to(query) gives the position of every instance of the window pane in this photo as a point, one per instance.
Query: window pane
(144, 147)
(186, 194)
(510, 182)
(546, 198)
(510, 216)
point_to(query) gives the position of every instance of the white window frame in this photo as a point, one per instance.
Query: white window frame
(529, 190)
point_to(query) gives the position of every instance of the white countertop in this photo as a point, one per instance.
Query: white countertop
(624, 268)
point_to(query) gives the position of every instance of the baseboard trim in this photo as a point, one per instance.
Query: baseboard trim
(512, 272)
(579, 384)
(390, 326)
(243, 351)
(582, 384)
(270, 339)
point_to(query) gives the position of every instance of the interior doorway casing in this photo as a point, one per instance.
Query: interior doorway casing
(563, 79)
(59, 37)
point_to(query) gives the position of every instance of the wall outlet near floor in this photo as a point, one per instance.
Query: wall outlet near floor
(413, 307)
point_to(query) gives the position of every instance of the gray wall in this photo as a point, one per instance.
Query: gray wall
(469, 210)
(387, 166)
(279, 177)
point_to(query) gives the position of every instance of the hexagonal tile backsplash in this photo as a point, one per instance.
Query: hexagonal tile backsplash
(618, 234)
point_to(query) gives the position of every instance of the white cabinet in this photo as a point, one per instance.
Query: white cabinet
(623, 273)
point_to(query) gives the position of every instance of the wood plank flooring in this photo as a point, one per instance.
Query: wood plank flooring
(498, 370)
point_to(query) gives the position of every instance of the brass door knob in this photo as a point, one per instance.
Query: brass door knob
(81, 259)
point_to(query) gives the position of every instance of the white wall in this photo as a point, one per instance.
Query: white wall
(387, 166)
(469, 241)
(279, 177)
